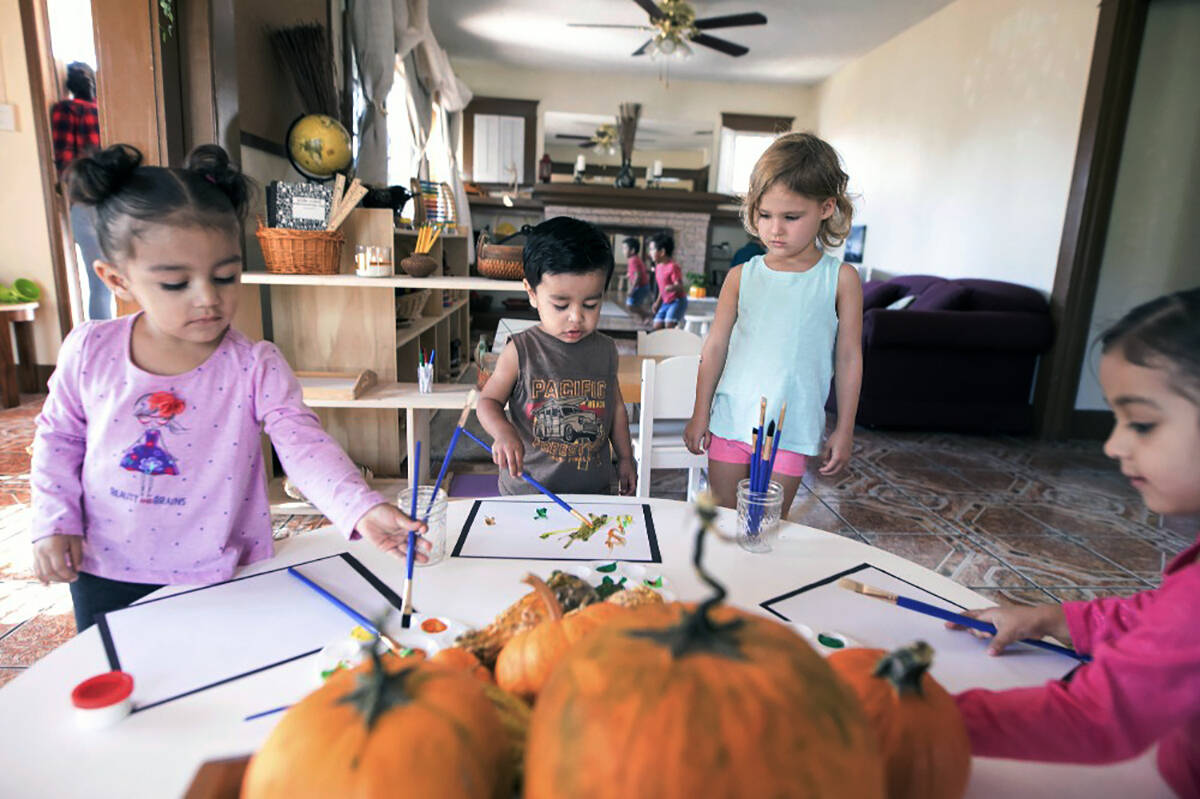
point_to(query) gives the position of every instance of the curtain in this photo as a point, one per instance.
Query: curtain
(372, 30)
(460, 194)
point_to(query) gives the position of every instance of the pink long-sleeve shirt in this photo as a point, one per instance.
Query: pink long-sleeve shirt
(163, 475)
(1142, 687)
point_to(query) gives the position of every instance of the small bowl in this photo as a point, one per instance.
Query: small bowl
(418, 265)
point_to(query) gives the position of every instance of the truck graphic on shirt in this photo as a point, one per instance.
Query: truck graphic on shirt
(562, 420)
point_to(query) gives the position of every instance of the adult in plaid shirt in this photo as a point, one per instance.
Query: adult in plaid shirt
(76, 126)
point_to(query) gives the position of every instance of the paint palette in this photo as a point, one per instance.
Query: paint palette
(427, 635)
(608, 577)
(825, 642)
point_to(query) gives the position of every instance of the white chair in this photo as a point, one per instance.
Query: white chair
(669, 341)
(698, 324)
(668, 393)
(505, 328)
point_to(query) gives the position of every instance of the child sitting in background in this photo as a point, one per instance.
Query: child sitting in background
(559, 379)
(671, 304)
(639, 279)
(1143, 684)
(147, 468)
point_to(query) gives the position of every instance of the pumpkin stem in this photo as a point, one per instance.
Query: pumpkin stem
(376, 692)
(905, 667)
(553, 608)
(696, 631)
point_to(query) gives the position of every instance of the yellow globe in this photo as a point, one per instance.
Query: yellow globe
(319, 145)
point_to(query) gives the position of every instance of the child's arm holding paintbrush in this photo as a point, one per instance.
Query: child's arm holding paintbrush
(507, 450)
(1014, 623)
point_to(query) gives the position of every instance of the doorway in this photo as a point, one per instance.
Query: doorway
(75, 130)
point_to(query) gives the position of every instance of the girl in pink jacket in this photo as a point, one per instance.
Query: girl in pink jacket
(1143, 684)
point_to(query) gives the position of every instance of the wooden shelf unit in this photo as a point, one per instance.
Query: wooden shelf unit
(346, 323)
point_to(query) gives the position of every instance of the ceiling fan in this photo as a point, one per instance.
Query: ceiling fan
(674, 24)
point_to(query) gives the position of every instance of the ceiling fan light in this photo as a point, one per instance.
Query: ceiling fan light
(683, 52)
(666, 46)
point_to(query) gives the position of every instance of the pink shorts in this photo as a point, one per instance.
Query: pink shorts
(793, 464)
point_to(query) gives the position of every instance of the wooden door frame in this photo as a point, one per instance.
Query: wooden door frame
(35, 29)
(1119, 32)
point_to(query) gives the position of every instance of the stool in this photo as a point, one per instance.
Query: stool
(15, 376)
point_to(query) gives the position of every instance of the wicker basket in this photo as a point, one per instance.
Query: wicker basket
(499, 261)
(300, 252)
(410, 305)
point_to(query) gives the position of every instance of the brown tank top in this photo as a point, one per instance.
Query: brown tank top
(562, 406)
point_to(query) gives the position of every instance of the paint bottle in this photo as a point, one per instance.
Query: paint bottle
(103, 700)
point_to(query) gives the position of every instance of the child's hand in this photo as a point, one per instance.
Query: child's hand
(837, 451)
(56, 558)
(1014, 623)
(386, 526)
(509, 453)
(696, 435)
(627, 476)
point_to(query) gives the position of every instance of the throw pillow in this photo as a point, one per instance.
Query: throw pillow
(947, 296)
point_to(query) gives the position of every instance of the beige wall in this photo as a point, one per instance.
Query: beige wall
(1153, 243)
(25, 245)
(960, 136)
(597, 93)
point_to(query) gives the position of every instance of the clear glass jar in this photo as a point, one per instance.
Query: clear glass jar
(436, 534)
(758, 515)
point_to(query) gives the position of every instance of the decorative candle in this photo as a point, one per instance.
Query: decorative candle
(580, 163)
(657, 168)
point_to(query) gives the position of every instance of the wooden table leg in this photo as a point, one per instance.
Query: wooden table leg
(27, 358)
(8, 370)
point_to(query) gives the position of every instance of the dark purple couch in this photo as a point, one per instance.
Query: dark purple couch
(960, 357)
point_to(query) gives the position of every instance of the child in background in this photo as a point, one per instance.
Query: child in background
(671, 304)
(147, 468)
(639, 279)
(559, 379)
(786, 323)
(1143, 684)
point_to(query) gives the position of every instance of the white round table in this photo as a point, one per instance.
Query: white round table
(155, 753)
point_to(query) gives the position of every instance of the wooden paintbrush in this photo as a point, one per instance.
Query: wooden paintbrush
(948, 615)
(529, 479)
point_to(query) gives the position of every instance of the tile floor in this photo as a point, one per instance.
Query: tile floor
(1014, 519)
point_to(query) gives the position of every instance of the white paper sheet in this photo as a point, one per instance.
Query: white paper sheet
(513, 528)
(960, 659)
(190, 641)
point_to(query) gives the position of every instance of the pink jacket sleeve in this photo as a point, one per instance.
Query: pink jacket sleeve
(1102, 620)
(59, 444)
(311, 458)
(1140, 686)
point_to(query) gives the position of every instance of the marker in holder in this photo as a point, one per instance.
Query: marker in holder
(425, 378)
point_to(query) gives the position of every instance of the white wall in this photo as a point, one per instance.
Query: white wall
(25, 245)
(1153, 242)
(960, 134)
(598, 93)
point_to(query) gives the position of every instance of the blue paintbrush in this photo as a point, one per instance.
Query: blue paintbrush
(949, 615)
(472, 395)
(362, 620)
(527, 478)
(406, 609)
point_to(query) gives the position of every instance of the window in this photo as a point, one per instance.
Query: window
(740, 151)
(499, 149)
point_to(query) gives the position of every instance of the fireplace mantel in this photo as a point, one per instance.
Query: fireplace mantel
(593, 196)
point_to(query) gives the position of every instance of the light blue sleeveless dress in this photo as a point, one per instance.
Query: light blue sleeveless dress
(781, 348)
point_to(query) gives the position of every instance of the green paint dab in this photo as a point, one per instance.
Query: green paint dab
(607, 568)
(830, 641)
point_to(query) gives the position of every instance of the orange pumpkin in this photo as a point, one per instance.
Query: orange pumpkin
(389, 726)
(675, 702)
(527, 659)
(455, 657)
(921, 734)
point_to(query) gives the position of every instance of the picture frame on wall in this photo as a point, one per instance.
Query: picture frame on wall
(854, 244)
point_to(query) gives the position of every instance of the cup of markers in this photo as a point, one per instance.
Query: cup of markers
(425, 373)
